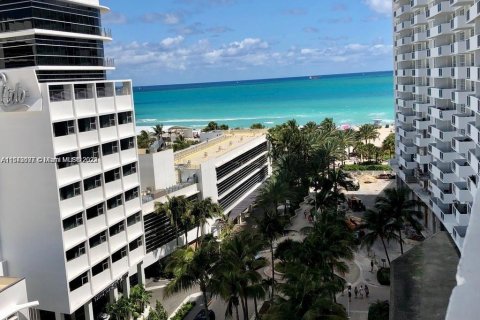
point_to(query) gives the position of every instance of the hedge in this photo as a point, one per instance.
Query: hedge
(383, 276)
(183, 311)
(368, 167)
(379, 310)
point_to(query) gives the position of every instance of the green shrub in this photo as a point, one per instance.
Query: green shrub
(379, 310)
(158, 313)
(383, 276)
(366, 167)
(184, 310)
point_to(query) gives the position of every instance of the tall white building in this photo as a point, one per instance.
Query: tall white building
(437, 106)
(70, 208)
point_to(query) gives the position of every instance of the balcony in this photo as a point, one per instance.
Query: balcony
(441, 93)
(473, 132)
(421, 106)
(461, 192)
(473, 73)
(420, 36)
(415, 4)
(423, 159)
(132, 206)
(440, 30)
(459, 47)
(403, 41)
(444, 174)
(462, 169)
(419, 19)
(407, 161)
(404, 103)
(88, 138)
(473, 103)
(445, 135)
(123, 96)
(439, 51)
(401, 11)
(407, 148)
(130, 180)
(422, 142)
(472, 185)
(408, 133)
(405, 25)
(82, 293)
(460, 121)
(473, 43)
(443, 193)
(405, 88)
(93, 196)
(473, 13)
(445, 72)
(462, 144)
(460, 97)
(110, 161)
(418, 55)
(445, 154)
(136, 255)
(421, 124)
(473, 158)
(442, 212)
(441, 7)
(461, 214)
(441, 113)
(407, 176)
(113, 187)
(406, 118)
(108, 133)
(126, 130)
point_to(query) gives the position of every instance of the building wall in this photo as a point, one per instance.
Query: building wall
(13, 296)
(30, 228)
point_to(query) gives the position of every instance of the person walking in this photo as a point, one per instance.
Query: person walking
(361, 291)
(371, 265)
(367, 291)
(350, 295)
(305, 214)
(356, 292)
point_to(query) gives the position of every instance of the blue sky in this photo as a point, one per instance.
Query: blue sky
(186, 41)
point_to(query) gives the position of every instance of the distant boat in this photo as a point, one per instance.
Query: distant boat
(313, 77)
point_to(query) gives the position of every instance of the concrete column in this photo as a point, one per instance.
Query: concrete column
(59, 316)
(89, 311)
(141, 274)
(126, 287)
(113, 295)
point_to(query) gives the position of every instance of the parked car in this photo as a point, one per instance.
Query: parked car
(201, 315)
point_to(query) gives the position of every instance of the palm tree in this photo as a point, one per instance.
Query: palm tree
(176, 209)
(274, 192)
(388, 145)
(203, 211)
(381, 226)
(368, 132)
(238, 254)
(193, 267)
(139, 298)
(158, 131)
(271, 226)
(121, 309)
(226, 284)
(396, 202)
(144, 140)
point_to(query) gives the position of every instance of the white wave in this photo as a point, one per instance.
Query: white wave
(223, 119)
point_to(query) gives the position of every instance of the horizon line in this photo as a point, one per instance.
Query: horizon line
(258, 79)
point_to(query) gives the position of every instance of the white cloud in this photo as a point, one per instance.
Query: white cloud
(175, 54)
(380, 6)
(172, 42)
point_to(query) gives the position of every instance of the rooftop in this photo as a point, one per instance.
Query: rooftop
(205, 151)
(6, 282)
(423, 278)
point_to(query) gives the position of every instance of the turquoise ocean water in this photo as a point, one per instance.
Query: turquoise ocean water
(348, 99)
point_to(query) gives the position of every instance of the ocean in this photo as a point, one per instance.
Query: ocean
(348, 99)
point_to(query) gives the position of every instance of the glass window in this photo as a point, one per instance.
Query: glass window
(63, 128)
(98, 239)
(95, 211)
(109, 148)
(75, 252)
(114, 202)
(73, 222)
(100, 267)
(133, 219)
(87, 124)
(125, 117)
(129, 169)
(78, 282)
(131, 194)
(107, 121)
(112, 175)
(70, 191)
(67, 160)
(135, 244)
(127, 143)
(117, 228)
(92, 152)
(119, 254)
(92, 183)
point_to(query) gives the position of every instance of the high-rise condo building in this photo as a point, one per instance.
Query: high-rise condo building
(437, 104)
(70, 208)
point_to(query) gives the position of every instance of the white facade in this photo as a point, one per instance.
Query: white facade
(436, 104)
(69, 175)
(227, 179)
